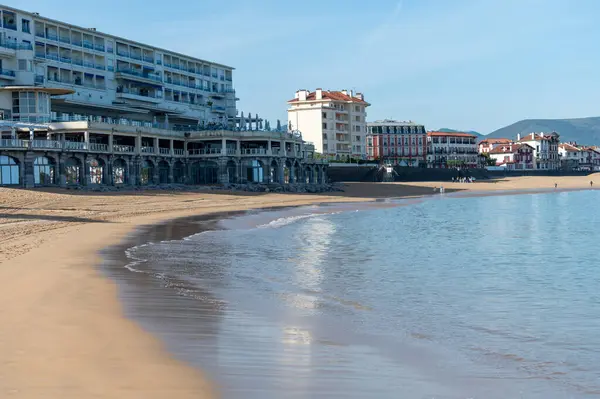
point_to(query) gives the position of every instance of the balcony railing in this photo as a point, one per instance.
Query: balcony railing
(77, 62)
(87, 44)
(64, 39)
(16, 46)
(98, 147)
(135, 92)
(74, 145)
(53, 57)
(137, 57)
(13, 143)
(254, 151)
(123, 148)
(123, 53)
(50, 144)
(148, 150)
(76, 42)
(148, 59)
(51, 36)
(205, 151)
(178, 151)
(7, 72)
(154, 77)
(164, 151)
(99, 47)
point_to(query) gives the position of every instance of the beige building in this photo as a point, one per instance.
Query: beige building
(335, 121)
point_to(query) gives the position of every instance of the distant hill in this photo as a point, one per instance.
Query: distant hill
(446, 130)
(584, 131)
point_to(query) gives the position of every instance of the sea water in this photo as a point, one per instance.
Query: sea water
(477, 297)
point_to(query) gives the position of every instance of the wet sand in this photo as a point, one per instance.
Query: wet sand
(63, 331)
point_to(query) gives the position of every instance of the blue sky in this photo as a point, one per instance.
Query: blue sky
(464, 64)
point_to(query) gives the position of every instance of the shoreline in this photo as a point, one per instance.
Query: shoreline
(66, 333)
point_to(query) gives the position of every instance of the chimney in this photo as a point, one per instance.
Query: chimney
(302, 95)
(345, 92)
(360, 96)
(319, 94)
(352, 93)
(518, 136)
(542, 134)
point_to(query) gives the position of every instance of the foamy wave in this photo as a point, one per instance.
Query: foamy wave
(292, 219)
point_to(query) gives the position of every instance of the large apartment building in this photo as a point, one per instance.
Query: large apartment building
(397, 143)
(111, 75)
(82, 107)
(452, 149)
(335, 121)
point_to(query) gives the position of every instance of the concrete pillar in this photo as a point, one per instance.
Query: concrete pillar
(238, 147)
(61, 170)
(171, 151)
(171, 177)
(108, 172)
(110, 143)
(134, 168)
(156, 174)
(138, 144)
(185, 148)
(13, 133)
(269, 149)
(156, 145)
(223, 146)
(223, 176)
(31, 135)
(27, 169)
(280, 174)
(85, 177)
(86, 139)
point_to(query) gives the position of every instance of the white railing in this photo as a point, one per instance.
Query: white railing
(72, 145)
(123, 148)
(13, 143)
(231, 151)
(164, 151)
(205, 151)
(98, 147)
(254, 151)
(148, 150)
(52, 144)
(178, 151)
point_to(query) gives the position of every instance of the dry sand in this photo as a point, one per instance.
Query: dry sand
(62, 329)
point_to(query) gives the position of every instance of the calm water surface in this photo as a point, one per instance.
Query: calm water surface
(484, 297)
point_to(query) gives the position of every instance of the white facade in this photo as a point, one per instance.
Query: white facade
(335, 121)
(452, 149)
(110, 76)
(545, 149)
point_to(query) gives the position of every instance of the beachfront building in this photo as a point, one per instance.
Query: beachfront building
(487, 145)
(570, 155)
(452, 149)
(513, 156)
(545, 146)
(78, 106)
(335, 121)
(397, 143)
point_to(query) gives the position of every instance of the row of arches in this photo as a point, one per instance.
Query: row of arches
(162, 172)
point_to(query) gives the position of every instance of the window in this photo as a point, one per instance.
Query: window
(324, 125)
(357, 118)
(25, 26)
(357, 138)
(24, 65)
(23, 102)
(9, 171)
(324, 136)
(357, 108)
(324, 115)
(357, 128)
(109, 46)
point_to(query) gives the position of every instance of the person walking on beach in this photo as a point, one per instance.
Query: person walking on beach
(555, 185)
(591, 183)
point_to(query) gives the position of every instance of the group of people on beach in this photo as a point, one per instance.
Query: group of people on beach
(463, 180)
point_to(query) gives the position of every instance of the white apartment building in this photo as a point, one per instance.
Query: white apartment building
(335, 121)
(545, 149)
(452, 150)
(109, 75)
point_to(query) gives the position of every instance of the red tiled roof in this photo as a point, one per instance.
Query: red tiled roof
(509, 149)
(538, 137)
(331, 95)
(450, 134)
(569, 147)
(496, 141)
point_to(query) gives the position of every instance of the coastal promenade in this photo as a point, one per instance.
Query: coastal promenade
(64, 334)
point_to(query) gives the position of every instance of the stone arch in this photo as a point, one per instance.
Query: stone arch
(120, 171)
(204, 172)
(231, 168)
(72, 168)
(44, 171)
(164, 169)
(178, 172)
(97, 170)
(274, 171)
(147, 172)
(255, 171)
(10, 169)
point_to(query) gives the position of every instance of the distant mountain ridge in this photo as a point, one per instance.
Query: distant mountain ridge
(446, 130)
(585, 131)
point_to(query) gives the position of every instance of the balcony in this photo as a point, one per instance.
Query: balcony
(16, 46)
(124, 149)
(52, 36)
(53, 57)
(99, 47)
(77, 62)
(39, 79)
(87, 44)
(149, 59)
(64, 39)
(135, 94)
(98, 147)
(137, 57)
(46, 144)
(122, 53)
(147, 150)
(76, 42)
(205, 151)
(7, 74)
(89, 64)
(66, 60)
(254, 151)
(144, 77)
(218, 109)
(13, 143)
(178, 151)
(164, 151)
(74, 146)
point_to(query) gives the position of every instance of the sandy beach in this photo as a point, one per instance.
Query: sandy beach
(63, 333)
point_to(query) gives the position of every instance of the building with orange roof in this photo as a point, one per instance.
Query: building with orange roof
(486, 145)
(452, 149)
(513, 156)
(545, 146)
(335, 121)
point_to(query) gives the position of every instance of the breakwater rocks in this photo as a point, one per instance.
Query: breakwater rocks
(248, 187)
